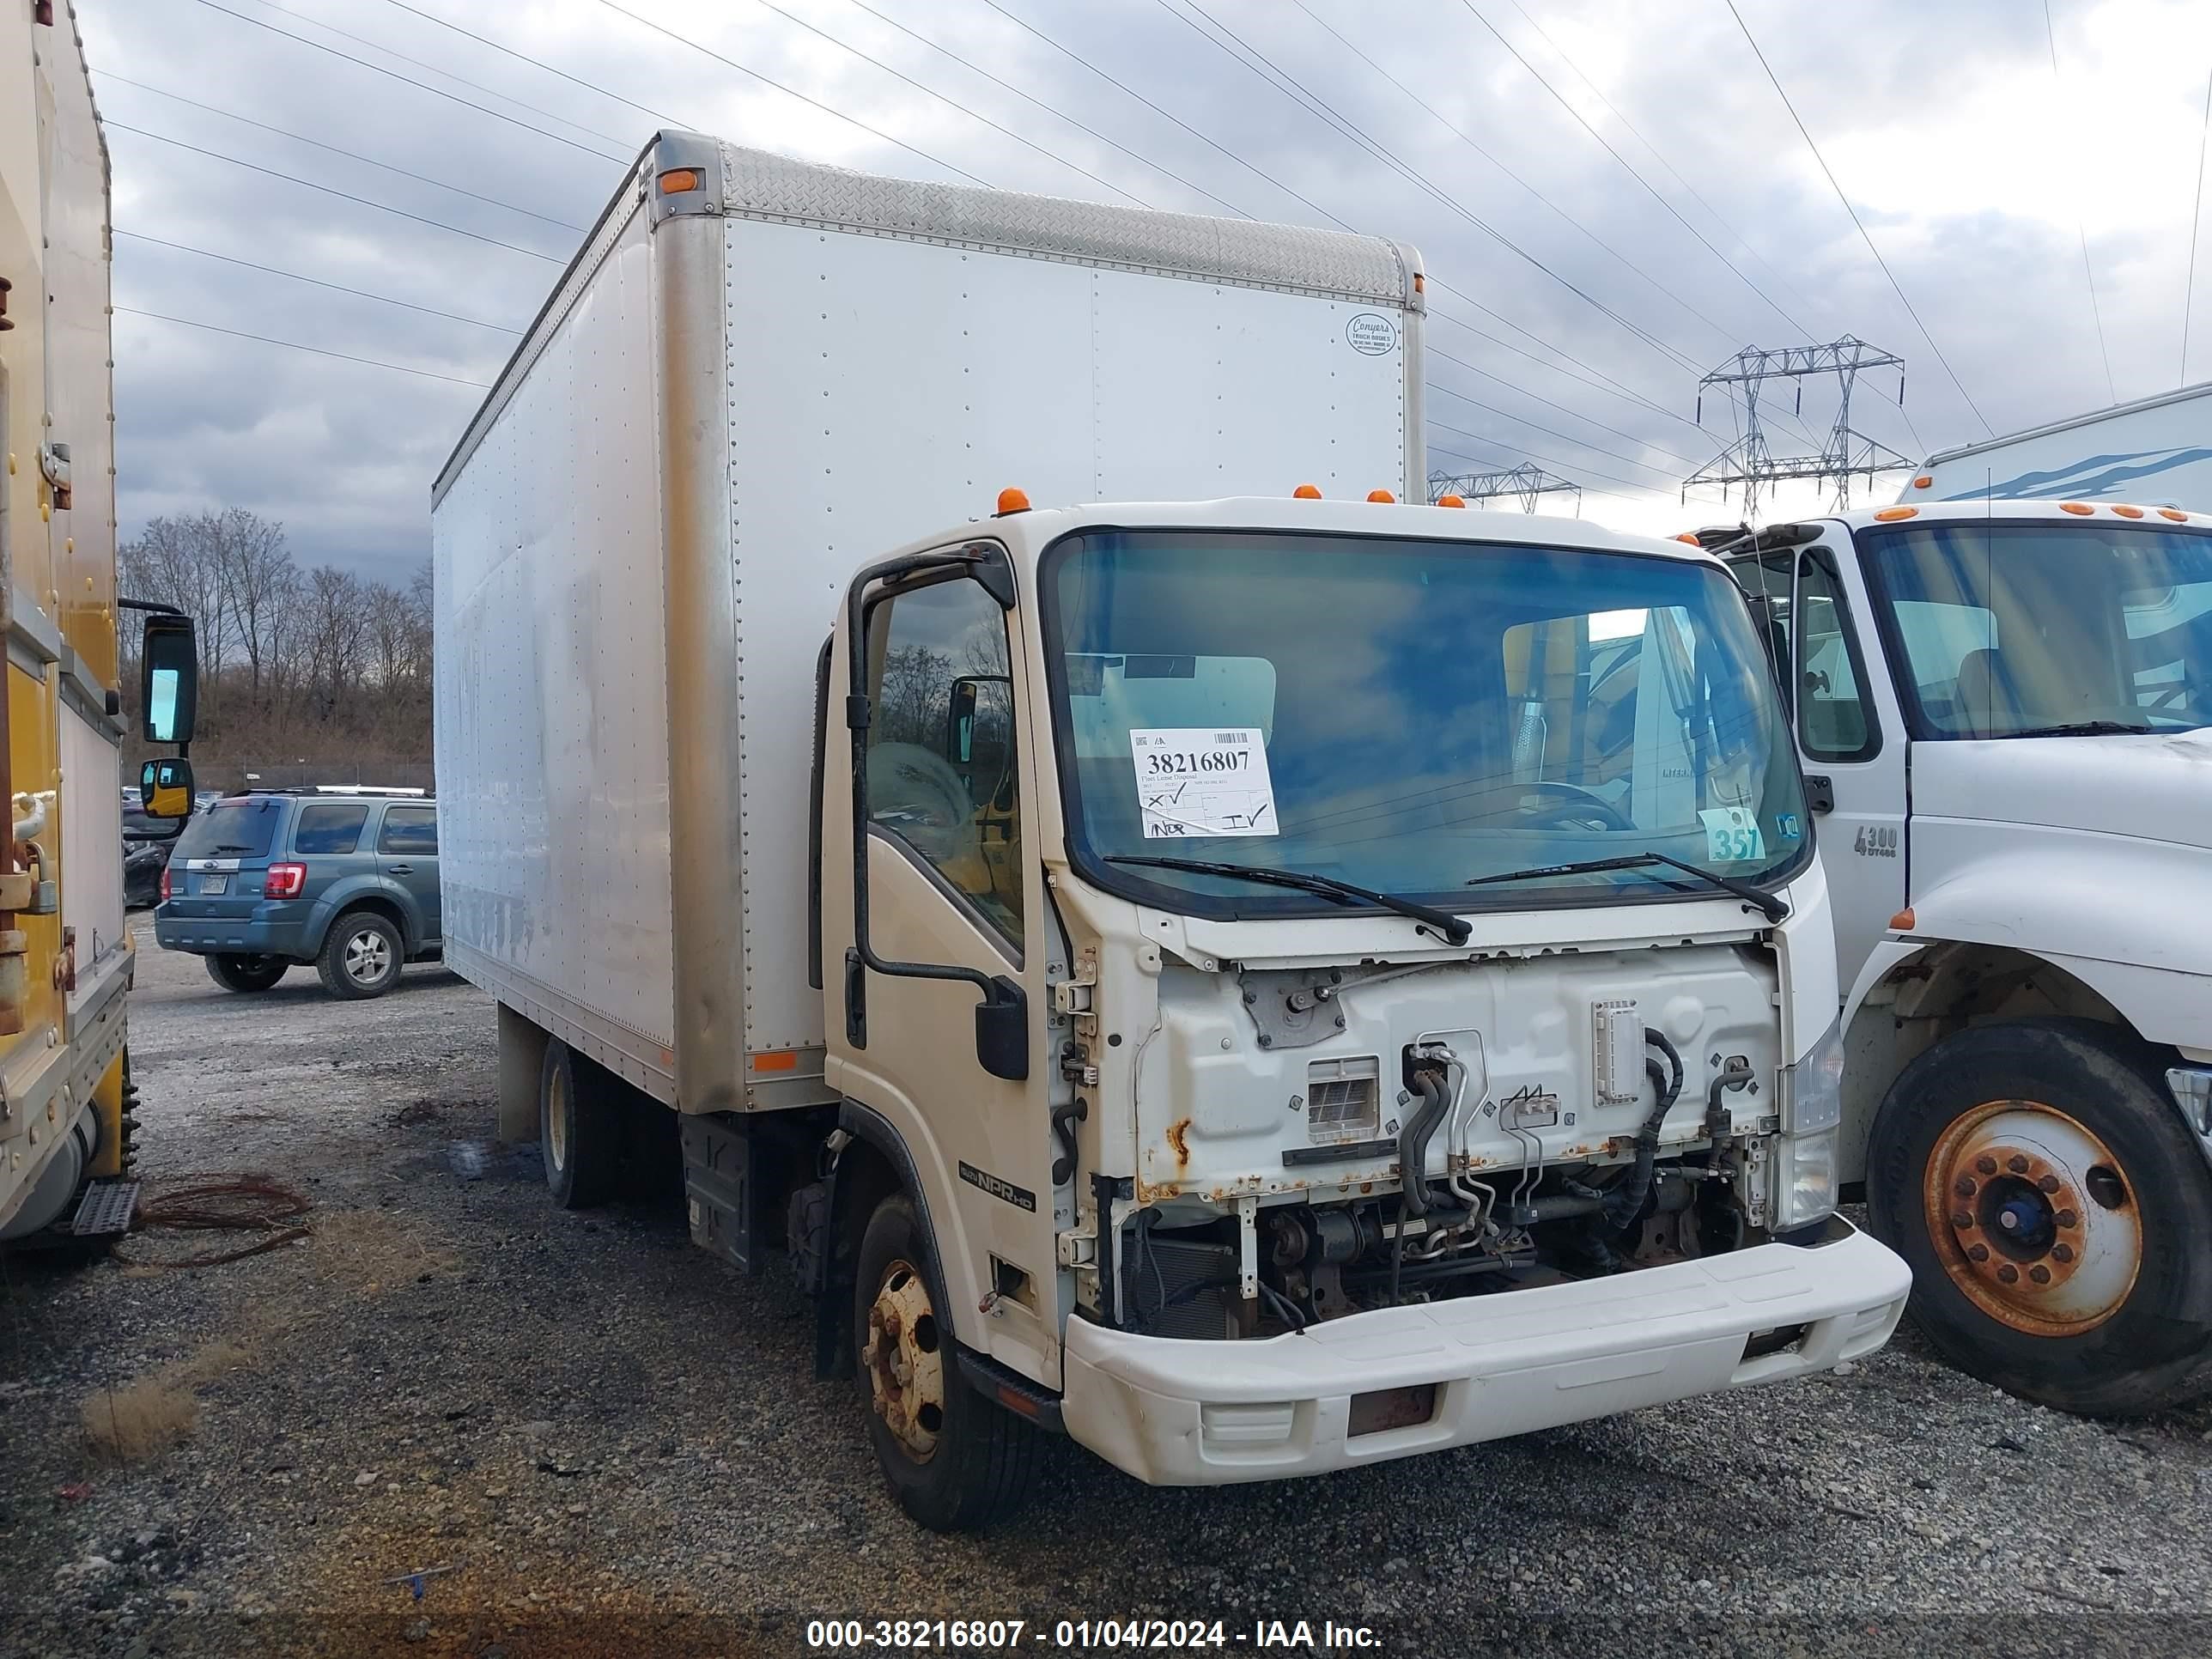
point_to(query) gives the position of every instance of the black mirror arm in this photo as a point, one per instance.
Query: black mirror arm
(997, 992)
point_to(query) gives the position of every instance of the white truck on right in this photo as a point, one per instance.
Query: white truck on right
(2156, 451)
(2004, 711)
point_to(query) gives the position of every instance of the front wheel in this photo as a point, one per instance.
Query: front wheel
(361, 955)
(2053, 1209)
(955, 1460)
(246, 973)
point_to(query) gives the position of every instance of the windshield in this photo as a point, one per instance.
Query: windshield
(231, 829)
(2016, 627)
(1410, 716)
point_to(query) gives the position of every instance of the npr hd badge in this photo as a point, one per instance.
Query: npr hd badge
(1371, 334)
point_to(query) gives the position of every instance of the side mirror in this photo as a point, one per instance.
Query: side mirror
(1002, 1031)
(169, 680)
(165, 788)
(960, 724)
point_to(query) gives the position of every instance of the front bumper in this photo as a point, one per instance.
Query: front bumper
(1180, 1413)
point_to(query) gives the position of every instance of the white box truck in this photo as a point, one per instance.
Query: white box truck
(2004, 711)
(2156, 451)
(1253, 984)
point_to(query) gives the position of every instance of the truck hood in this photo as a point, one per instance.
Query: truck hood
(2157, 787)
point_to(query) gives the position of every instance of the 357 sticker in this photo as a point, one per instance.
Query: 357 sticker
(1875, 843)
(1732, 835)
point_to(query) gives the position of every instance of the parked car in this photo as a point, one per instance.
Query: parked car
(144, 863)
(346, 879)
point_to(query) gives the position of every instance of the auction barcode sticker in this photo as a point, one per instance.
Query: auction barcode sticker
(1198, 780)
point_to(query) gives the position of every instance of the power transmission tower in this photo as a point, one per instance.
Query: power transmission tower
(1524, 484)
(1752, 463)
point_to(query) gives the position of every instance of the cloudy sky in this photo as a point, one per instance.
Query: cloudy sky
(1661, 207)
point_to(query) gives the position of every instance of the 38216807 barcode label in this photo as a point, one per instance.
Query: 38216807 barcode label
(1193, 781)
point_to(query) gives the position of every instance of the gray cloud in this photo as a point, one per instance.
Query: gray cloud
(344, 453)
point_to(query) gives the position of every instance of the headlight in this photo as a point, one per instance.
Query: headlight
(1813, 1089)
(1804, 1180)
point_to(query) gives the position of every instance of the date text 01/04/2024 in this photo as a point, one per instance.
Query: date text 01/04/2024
(1084, 1635)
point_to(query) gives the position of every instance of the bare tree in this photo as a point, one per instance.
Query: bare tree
(258, 582)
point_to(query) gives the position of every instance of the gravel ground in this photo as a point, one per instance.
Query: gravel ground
(592, 1439)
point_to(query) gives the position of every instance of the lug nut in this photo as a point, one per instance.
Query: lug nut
(1979, 1253)
(2048, 1184)
(2039, 1273)
(2067, 1219)
(1986, 1164)
(1961, 1220)
(2017, 1163)
(2062, 1252)
(2008, 1274)
(1965, 1187)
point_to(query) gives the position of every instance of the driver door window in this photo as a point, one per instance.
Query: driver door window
(942, 777)
(1832, 715)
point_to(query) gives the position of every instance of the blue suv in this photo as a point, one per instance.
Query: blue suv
(345, 878)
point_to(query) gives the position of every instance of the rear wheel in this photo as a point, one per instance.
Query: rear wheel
(361, 955)
(2053, 1208)
(955, 1460)
(580, 1128)
(246, 973)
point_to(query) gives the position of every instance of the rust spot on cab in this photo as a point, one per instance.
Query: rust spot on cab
(1179, 1138)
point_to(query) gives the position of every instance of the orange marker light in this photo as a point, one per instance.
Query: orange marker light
(1307, 493)
(2128, 511)
(1686, 536)
(1450, 500)
(1891, 515)
(1904, 922)
(1012, 501)
(776, 1060)
(2169, 512)
(678, 179)
(1922, 482)
(2075, 506)
(1380, 495)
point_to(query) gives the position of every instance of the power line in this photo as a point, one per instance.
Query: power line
(209, 253)
(1460, 133)
(789, 92)
(319, 351)
(622, 145)
(1645, 490)
(540, 64)
(1550, 432)
(328, 190)
(1060, 114)
(439, 92)
(2196, 224)
(351, 155)
(1288, 85)
(2080, 223)
(1650, 189)
(1854, 212)
(1673, 172)
(950, 103)
(1435, 350)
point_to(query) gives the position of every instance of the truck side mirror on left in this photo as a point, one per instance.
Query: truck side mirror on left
(165, 788)
(960, 724)
(169, 678)
(1002, 1031)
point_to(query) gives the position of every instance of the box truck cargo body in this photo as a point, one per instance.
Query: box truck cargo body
(2156, 451)
(1215, 976)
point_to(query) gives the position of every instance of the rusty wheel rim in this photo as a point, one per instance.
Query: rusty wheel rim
(2033, 1218)
(906, 1362)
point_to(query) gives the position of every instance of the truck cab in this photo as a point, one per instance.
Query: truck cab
(1390, 1030)
(2004, 711)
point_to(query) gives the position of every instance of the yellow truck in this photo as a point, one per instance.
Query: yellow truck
(65, 954)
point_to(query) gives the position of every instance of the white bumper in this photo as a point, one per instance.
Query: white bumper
(1180, 1413)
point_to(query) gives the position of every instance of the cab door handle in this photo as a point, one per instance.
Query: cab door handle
(400, 869)
(1819, 792)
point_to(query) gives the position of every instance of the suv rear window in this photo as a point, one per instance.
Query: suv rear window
(408, 829)
(329, 829)
(231, 829)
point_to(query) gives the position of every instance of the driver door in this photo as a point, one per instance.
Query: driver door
(952, 884)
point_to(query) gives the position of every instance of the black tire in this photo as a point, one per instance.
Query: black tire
(983, 1458)
(580, 1128)
(1935, 1194)
(247, 973)
(361, 955)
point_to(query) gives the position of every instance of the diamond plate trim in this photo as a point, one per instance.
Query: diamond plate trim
(106, 1207)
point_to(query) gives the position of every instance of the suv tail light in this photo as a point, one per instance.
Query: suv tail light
(165, 884)
(284, 880)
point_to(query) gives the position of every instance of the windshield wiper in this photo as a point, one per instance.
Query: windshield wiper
(2081, 729)
(1772, 908)
(232, 847)
(1454, 929)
